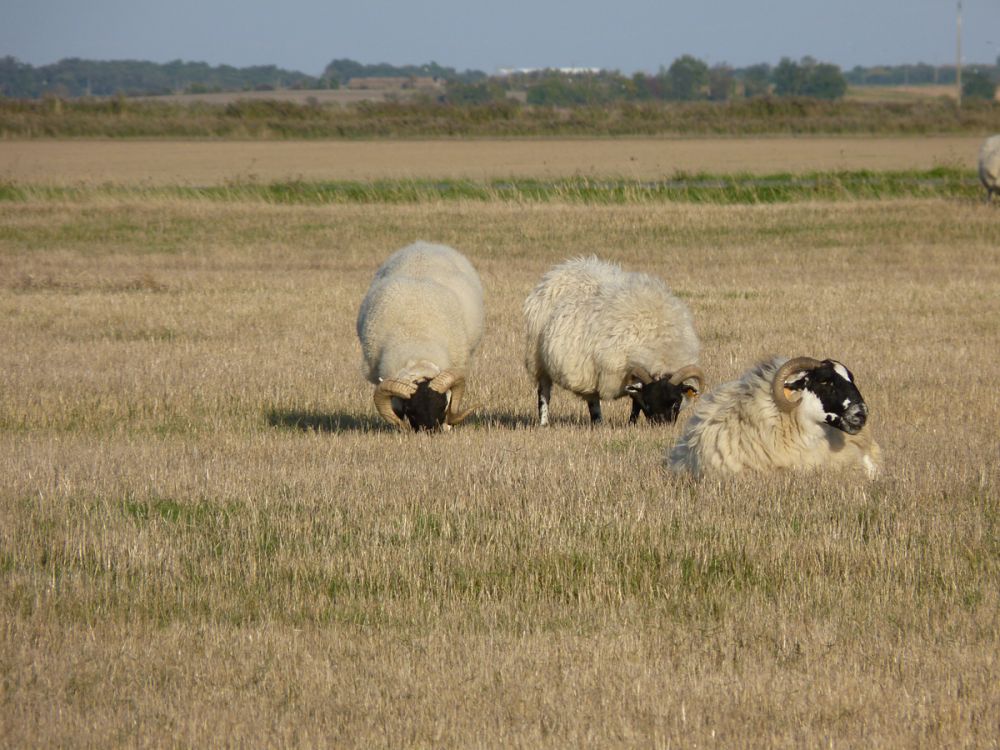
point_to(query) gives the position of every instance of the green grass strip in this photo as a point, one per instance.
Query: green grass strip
(941, 182)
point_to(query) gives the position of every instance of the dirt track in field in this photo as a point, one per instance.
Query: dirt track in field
(205, 162)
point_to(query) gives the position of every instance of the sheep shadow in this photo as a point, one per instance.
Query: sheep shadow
(334, 422)
(501, 419)
(340, 422)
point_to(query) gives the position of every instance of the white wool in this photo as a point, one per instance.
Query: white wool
(423, 313)
(737, 427)
(588, 323)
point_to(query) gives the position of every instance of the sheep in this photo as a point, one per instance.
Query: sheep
(782, 414)
(419, 325)
(989, 166)
(603, 333)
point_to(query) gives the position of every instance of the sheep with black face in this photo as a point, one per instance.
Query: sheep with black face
(419, 325)
(604, 333)
(799, 413)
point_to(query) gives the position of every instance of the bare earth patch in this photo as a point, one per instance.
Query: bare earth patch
(210, 163)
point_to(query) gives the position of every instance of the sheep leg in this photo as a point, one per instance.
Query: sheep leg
(634, 416)
(544, 396)
(594, 407)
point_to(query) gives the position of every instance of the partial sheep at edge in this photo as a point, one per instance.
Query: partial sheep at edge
(989, 166)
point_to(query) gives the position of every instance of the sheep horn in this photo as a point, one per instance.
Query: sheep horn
(455, 381)
(383, 399)
(643, 374)
(685, 373)
(444, 380)
(784, 403)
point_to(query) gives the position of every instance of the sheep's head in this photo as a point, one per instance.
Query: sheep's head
(661, 398)
(822, 391)
(424, 404)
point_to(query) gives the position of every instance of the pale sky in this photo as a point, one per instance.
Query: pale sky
(627, 35)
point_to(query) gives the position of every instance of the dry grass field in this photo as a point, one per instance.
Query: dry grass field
(152, 163)
(208, 538)
(911, 93)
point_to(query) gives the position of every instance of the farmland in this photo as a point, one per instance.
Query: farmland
(207, 536)
(151, 163)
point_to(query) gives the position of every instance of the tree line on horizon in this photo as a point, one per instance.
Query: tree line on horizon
(686, 79)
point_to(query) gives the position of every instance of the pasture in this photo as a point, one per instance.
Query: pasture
(207, 537)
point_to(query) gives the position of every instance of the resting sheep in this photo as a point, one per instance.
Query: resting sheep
(419, 325)
(782, 414)
(604, 333)
(989, 166)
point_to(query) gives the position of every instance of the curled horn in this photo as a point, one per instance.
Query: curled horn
(685, 373)
(383, 399)
(643, 374)
(778, 384)
(455, 382)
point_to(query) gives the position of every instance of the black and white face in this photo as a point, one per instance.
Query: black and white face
(660, 401)
(830, 396)
(424, 410)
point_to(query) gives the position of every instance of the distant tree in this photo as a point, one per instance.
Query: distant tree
(688, 77)
(482, 92)
(882, 75)
(17, 79)
(788, 77)
(639, 91)
(824, 81)
(921, 73)
(649, 87)
(344, 69)
(756, 80)
(76, 77)
(978, 85)
(808, 78)
(555, 90)
(857, 75)
(721, 83)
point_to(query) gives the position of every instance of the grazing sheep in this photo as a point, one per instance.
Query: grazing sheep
(989, 166)
(419, 325)
(602, 333)
(782, 414)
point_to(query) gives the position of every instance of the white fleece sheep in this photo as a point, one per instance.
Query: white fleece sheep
(750, 425)
(989, 165)
(602, 333)
(422, 316)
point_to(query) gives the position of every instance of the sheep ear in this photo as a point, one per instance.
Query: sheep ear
(796, 381)
(634, 387)
(792, 395)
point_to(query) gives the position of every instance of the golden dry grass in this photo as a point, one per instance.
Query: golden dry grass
(903, 93)
(131, 162)
(207, 538)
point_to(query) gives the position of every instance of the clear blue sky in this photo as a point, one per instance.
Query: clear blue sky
(628, 35)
